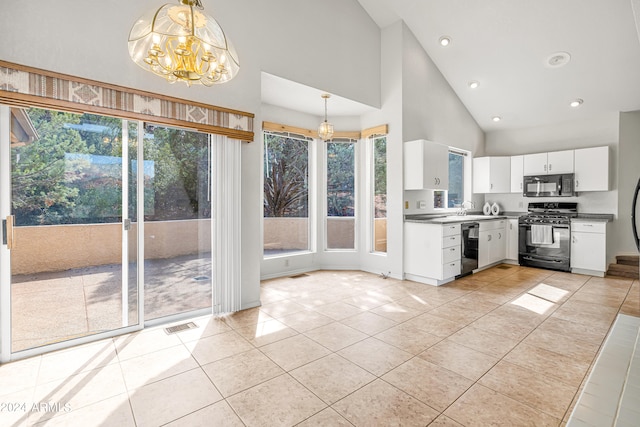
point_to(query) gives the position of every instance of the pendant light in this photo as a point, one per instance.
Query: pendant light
(325, 130)
(179, 42)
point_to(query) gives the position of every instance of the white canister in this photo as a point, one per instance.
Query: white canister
(486, 209)
(495, 209)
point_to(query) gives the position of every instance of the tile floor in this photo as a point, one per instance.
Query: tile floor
(507, 346)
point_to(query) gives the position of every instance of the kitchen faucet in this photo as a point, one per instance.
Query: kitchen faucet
(463, 210)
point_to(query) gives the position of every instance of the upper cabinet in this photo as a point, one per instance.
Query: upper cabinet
(426, 165)
(492, 175)
(548, 163)
(592, 169)
(517, 171)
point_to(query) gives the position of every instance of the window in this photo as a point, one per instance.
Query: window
(455, 195)
(379, 193)
(340, 230)
(286, 194)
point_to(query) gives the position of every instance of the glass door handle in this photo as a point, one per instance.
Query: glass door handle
(127, 224)
(7, 231)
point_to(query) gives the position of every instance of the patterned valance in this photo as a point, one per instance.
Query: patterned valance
(26, 86)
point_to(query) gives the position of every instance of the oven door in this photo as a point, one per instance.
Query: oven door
(555, 255)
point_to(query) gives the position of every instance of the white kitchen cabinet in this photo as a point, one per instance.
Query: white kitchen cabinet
(426, 165)
(592, 169)
(589, 247)
(491, 175)
(512, 239)
(492, 242)
(431, 252)
(548, 163)
(517, 172)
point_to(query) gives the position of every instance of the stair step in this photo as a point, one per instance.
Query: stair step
(622, 270)
(628, 259)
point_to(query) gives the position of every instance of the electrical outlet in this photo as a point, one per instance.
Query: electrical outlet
(422, 204)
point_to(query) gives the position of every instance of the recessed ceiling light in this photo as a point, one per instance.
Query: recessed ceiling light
(557, 60)
(445, 41)
(473, 84)
(496, 118)
(576, 103)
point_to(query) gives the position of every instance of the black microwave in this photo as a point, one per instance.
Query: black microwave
(560, 185)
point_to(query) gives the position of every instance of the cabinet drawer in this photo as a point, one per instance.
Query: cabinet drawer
(492, 224)
(451, 269)
(450, 254)
(449, 241)
(451, 229)
(589, 227)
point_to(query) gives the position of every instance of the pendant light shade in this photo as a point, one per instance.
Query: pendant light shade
(325, 130)
(179, 42)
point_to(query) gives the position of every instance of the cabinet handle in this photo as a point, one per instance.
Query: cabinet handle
(510, 226)
(588, 225)
(545, 168)
(521, 186)
(489, 238)
(452, 249)
(499, 235)
(491, 186)
(550, 166)
(577, 183)
(573, 239)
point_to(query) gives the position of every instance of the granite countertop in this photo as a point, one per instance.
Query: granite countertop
(478, 216)
(594, 217)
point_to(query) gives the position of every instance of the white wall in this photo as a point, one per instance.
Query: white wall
(431, 110)
(290, 39)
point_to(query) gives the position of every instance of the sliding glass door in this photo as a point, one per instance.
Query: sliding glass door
(69, 268)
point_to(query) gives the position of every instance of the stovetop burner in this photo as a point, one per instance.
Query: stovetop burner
(550, 213)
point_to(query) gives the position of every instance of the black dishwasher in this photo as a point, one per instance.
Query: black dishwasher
(469, 253)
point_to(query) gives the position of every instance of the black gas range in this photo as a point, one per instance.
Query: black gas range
(545, 235)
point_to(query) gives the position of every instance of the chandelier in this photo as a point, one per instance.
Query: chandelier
(181, 43)
(325, 130)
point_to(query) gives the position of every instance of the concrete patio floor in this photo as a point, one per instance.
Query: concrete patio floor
(57, 306)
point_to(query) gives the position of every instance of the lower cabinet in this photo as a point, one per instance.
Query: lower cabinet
(589, 247)
(492, 242)
(431, 252)
(512, 240)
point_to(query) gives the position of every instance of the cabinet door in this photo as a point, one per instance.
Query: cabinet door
(517, 171)
(560, 162)
(592, 169)
(535, 164)
(500, 174)
(413, 165)
(436, 162)
(512, 239)
(481, 171)
(588, 251)
(484, 248)
(498, 247)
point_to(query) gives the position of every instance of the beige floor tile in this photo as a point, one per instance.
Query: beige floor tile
(429, 383)
(218, 347)
(380, 403)
(338, 310)
(480, 407)
(17, 409)
(142, 370)
(281, 308)
(528, 387)
(574, 330)
(207, 326)
(462, 360)
(242, 371)
(375, 356)
(332, 377)
(267, 332)
(463, 311)
(68, 362)
(549, 364)
(597, 318)
(396, 312)
(566, 345)
(435, 325)
(281, 401)
(326, 417)
(83, 389)
(293, 352)
(550, 293)
(483, 341)
(19, 375)
(444, 421)
(251, 316)
(369, 323)
(418, 303)
(114, 411)
(306, 320)
(500, 324)
(144, 342)
(367, 301)
(335, 336)
(220, 413)
(171, 398)
(408, 338)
